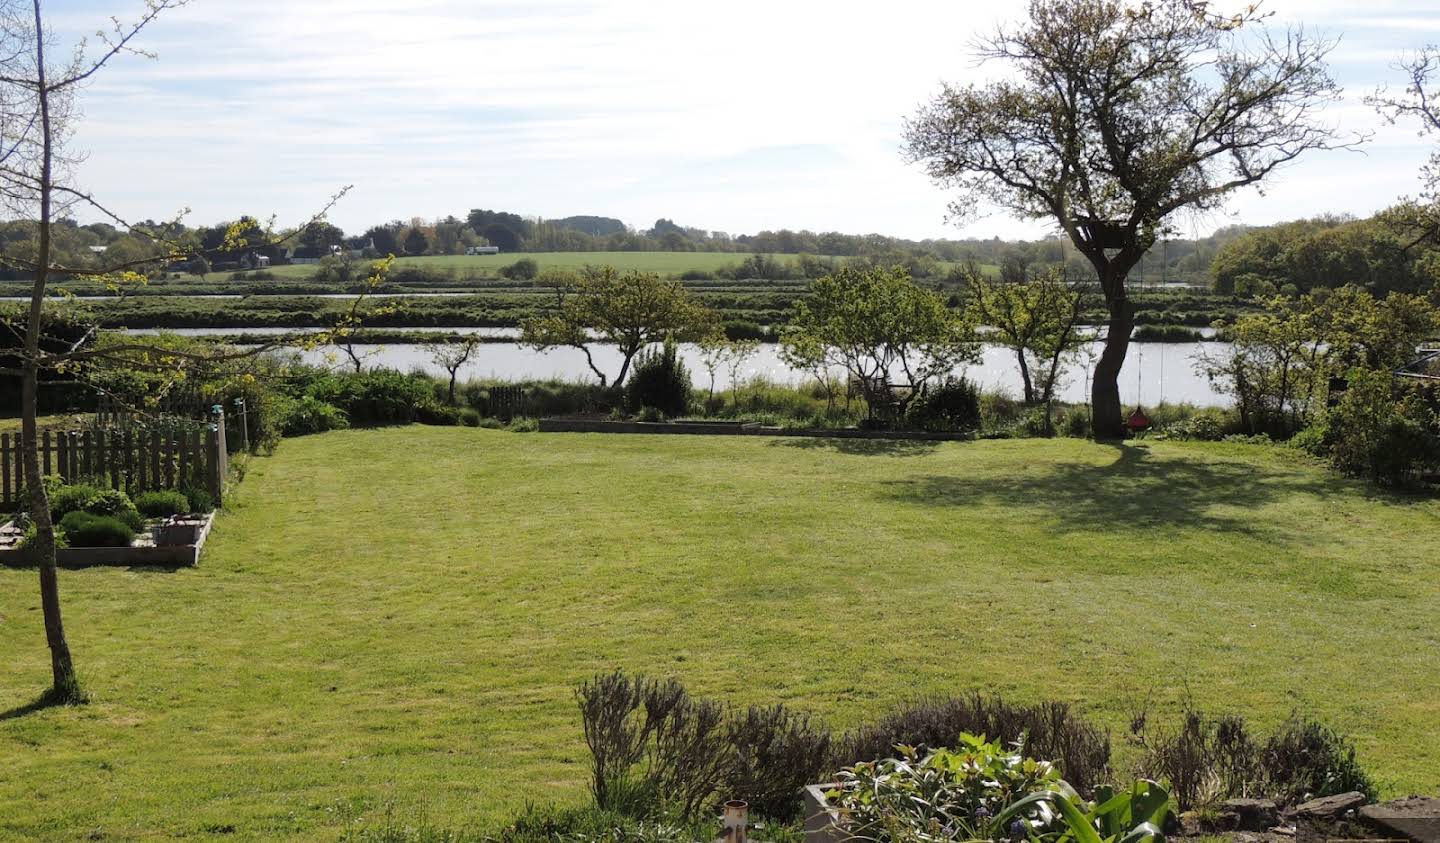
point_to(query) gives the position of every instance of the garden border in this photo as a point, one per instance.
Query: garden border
(569, 425)
(171, 556)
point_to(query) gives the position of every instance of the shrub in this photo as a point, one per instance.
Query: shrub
(160, 503)
(70, 498)
(1075, 422)
(1389, 439)
(115, 504)
(524, 269)
(199, 497)
(437, 414)
(774, 753)
(651, 744)
(84, 529)
(307, 414)
(659, 380)
(470, 417)
(952, 405)
(1207, 425)
(381, 396)
(1306, 759)
(1044, 730)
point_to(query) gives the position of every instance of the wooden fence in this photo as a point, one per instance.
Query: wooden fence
(131, 460)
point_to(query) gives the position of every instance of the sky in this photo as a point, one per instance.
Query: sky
(738, 116)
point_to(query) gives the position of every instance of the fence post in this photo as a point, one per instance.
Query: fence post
(215, 468)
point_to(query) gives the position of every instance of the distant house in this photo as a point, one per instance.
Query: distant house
(99, 250)
(254, 260)
(482, 250)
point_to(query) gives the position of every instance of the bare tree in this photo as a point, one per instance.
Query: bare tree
(1419, 103)
(1124, 113)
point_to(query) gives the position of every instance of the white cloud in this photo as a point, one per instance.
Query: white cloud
(634, 109)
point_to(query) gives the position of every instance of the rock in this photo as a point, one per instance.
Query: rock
(1328, 807)
(1416, 818)
(1250, 814)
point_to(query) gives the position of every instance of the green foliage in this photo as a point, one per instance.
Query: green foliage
(307, 414)
(115, 504)
(162, 503)
(66, 499)
(378, 396)
(1206, 425)
(1383, 431)
(1038, 317)
(199, 497)
(1134, 816)
(660, 382)
(953, 404)
(1322, 252)
(524, 269)
(470, 417)
(84, 529)
(873, 323)
(961, 793)
(1306, 759)
(630, 310)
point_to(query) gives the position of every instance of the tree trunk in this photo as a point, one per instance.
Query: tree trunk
(1107, 414)
(1025, 376)
(65, 687)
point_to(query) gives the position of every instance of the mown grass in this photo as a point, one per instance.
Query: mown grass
(398, 617)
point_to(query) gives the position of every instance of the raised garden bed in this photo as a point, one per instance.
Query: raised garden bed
(567, 424)
(173, 543)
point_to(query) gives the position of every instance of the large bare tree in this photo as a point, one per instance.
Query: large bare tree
(1120, 114)
(1418, 103)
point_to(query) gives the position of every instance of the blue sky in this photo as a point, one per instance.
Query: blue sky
(735, 116)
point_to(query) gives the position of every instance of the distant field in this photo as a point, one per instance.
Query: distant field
(665, 263)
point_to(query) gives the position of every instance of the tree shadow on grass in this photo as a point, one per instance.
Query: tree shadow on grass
(861, 447)
(1134, 492)
(49, 699)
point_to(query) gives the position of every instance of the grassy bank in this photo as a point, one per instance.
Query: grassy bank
(399, 616)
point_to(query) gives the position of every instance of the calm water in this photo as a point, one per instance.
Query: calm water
(1153, 371)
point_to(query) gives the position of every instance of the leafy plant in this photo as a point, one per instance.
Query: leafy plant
(660, 381)
(66, 499)
(307, 414)
(1306, 759)
(84, 529)
(1133, 816)
(961, 793)
(951, 405)
(1041, 730)
(161, 503)
(199, 497)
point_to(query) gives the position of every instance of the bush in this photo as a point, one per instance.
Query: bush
(84, 529)
(437, 414)
(1207, 760)
(115, 504)
(1043, 730)
(199, 497)
(470, 417)
(524, 269)
(162, 503)
(651, 745)
(70, 498)
(659, 380)
(1388, 438)
(381, 396)
(774, 753)
(1306, 759)
(308, 414)
(1075, 422)
(952, 405)
(1207, 425)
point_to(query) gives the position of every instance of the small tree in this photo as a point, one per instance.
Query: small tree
(416, 243)
(630, 310)
(1038, 318)
(452, 355)
(877, 324)
(1123, 113)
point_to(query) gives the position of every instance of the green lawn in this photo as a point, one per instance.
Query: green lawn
(397, 617)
